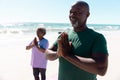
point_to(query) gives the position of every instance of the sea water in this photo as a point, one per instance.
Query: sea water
(30, 27)
(27, 30)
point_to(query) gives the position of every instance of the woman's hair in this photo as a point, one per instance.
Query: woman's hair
(43, 30)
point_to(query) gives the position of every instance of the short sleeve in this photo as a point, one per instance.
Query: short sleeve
(100, 45)
(44, 44)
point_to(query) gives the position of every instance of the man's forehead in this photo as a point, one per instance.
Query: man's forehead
(79, 5)
(79, 8)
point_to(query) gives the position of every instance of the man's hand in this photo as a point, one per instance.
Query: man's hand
(64, 46)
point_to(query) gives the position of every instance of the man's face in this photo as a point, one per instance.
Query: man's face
(78, 15)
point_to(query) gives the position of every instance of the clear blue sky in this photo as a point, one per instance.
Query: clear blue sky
(101, 11)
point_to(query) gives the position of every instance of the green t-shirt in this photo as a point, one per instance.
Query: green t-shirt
(84, 44)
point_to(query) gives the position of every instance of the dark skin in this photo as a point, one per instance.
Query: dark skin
(98, 62)
(35, 42)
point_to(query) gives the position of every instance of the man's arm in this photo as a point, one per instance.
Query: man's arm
(51, 54)
(95, 66)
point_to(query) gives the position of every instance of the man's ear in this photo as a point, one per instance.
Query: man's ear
(88, 14)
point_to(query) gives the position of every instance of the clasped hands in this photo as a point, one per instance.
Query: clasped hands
(64, 46)
(35, 42)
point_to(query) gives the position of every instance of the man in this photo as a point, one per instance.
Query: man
(82, 52)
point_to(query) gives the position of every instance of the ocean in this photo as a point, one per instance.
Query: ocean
(27, 30)
(15, 60)
(30, 27)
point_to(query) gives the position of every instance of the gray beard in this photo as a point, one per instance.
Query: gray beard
(75, 25)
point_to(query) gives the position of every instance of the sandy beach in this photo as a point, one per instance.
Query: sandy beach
(15, 60)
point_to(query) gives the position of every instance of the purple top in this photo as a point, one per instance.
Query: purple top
(38, 58)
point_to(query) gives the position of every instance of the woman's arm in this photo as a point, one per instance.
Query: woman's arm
(29, 46)
(41, 49)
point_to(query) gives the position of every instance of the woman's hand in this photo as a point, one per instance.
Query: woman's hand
(35, 41)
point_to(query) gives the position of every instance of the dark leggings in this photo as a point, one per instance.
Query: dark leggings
(36, 72)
